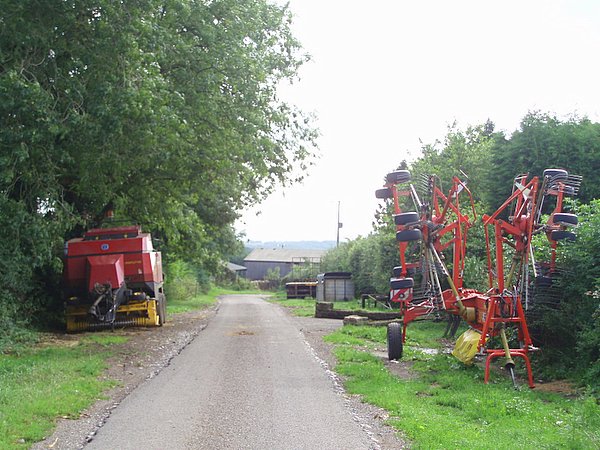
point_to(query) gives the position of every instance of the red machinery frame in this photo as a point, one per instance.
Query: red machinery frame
(442, 225)
(438, 234)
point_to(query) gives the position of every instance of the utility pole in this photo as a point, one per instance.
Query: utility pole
(339, 225)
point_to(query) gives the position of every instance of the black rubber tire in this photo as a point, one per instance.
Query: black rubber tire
(569, 190)
(394, 341)
(406, 218)
(397, 271)
(401, 283)
(543, 281)
(408, 235)
(162, 309)
(560, 235)
(556, 174)
(384, 193)
(565, 218)
(397, 177)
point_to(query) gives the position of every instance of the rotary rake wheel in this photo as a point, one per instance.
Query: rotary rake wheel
(438, 224)
(433, 283)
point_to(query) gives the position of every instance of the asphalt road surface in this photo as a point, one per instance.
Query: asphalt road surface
(248, 381)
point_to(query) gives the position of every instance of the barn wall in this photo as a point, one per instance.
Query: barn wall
(258, 269)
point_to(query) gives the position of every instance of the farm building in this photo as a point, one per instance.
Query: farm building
(237, 270)
(261, 260)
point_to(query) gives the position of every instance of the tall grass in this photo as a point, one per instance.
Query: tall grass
(181, 281)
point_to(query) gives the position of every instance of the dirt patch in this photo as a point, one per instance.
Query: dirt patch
(146, 352)
(401, 369)
(58, 340)
(561, 387)
(243, 333)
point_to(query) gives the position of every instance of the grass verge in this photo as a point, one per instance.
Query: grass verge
(38, 385)
(446, 405)
(304, 307)
(201, 301)
(41, 384)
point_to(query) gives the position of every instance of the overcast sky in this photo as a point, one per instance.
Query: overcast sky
(387, 74)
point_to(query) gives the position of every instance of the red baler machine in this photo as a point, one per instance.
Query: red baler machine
(113, 277)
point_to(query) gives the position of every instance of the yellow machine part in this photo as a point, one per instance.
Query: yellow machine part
(466, 346)
(138, 314)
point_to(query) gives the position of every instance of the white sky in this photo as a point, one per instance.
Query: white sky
(388, 73)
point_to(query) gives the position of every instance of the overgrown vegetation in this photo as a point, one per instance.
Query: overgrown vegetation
(567, 327)
(187, 289)
(444, 404)
(198, 301)
(166, 114)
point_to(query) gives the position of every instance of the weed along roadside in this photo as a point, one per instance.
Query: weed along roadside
(73, 380)
(437, 402)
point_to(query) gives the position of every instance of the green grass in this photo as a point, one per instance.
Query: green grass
(357, 304)
(40, 385)
(422, 334)
(363, 336)
(104, 338)
(446, 404)
(304, 307)
(201, 301)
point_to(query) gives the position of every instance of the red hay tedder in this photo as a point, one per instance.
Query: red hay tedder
(432, 284)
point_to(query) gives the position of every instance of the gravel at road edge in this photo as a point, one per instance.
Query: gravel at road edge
(148, 351)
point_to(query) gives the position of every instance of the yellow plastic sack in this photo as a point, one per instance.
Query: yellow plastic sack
(466, 346)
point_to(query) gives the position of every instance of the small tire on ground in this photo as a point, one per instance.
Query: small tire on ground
(401, 283)
(560, 235)
(397, 177)
(406, 218)
(384, 193)
(565, 218)
(394, 341)
(408, 235)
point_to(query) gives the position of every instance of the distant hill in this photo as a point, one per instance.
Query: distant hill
(304, 245)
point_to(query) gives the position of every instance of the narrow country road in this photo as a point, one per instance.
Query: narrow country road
(248, 381)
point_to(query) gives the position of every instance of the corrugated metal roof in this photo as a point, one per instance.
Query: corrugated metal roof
(283, 254)
(235, 267)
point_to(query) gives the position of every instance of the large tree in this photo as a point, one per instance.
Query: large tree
(165, 111)
(545, 141)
